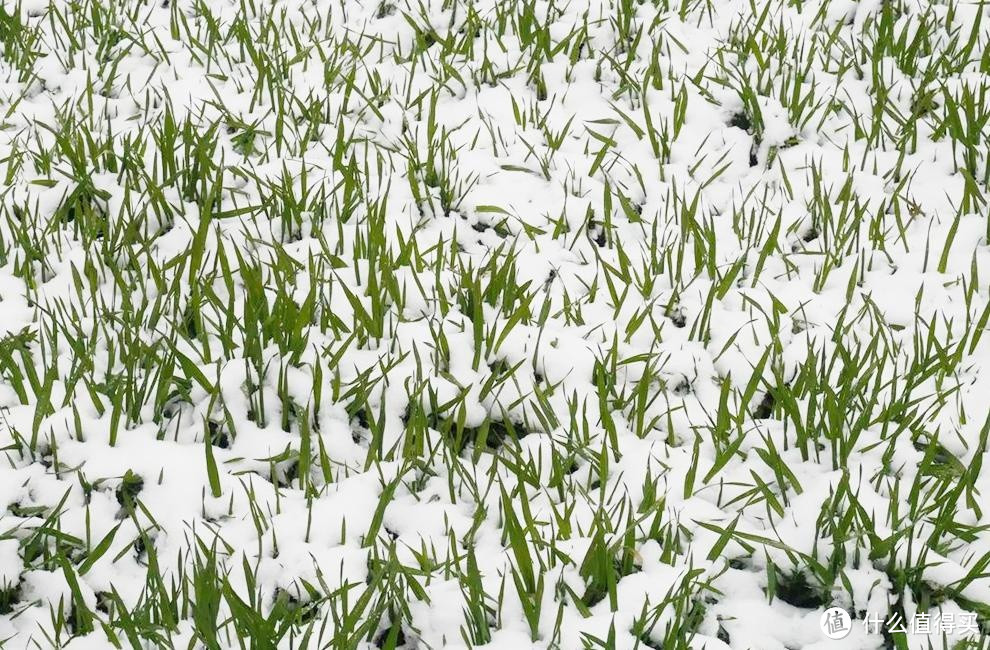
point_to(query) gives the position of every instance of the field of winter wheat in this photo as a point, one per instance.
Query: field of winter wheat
(564, 324)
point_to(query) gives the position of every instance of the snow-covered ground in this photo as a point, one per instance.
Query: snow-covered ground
(526, 323)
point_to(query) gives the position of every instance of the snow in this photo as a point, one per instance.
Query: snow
(321, 247)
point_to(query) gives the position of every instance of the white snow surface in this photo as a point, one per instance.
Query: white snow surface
(409, 235)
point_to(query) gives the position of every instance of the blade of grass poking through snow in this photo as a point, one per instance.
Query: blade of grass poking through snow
(98, 551)
(377, 518)
(212, 473)
(82, 616)
(305, 450)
